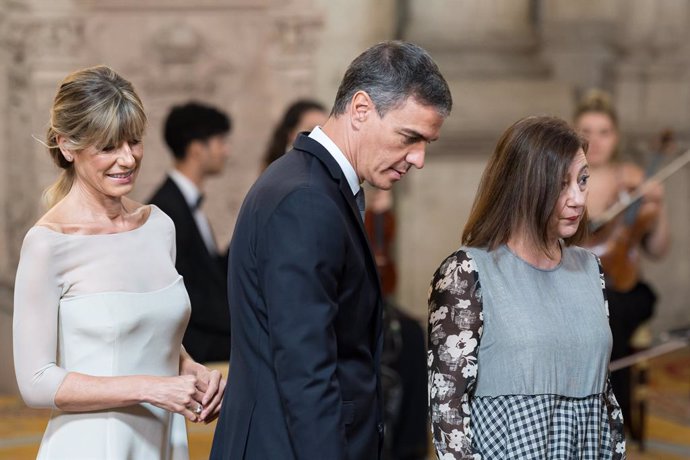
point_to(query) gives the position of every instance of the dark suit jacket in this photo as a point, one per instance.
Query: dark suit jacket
(207, 337)
(306, 320)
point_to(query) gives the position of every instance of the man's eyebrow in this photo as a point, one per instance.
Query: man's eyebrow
(412, 133)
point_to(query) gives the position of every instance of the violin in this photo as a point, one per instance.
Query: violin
(618, 235)
(379, 222)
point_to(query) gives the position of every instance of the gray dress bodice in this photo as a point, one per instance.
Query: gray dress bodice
(545, 331)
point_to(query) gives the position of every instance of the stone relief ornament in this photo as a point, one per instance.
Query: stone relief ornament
(183, 62)
(294, 37)
(34, 39)
(177, 43)
(296, 32)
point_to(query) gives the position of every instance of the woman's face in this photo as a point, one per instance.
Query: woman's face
(570, 207)
(110, 171)
(601, 133)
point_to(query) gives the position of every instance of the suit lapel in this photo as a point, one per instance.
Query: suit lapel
(190, 223)
(312, 147)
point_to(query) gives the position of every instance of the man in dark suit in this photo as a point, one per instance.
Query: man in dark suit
(304, 293)
(197, 136)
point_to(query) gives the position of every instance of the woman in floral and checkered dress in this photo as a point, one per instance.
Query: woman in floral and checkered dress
(519, 340)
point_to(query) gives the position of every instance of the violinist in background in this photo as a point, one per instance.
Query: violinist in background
(403, 362)
(641, 228)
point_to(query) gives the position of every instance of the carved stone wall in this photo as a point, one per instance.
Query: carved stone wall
(248, 57)
(5, 284)
(38, 49)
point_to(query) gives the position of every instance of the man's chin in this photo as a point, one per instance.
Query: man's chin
(382, 185)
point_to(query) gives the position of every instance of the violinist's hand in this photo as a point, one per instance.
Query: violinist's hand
(653, 192)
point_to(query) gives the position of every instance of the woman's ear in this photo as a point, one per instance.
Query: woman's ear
(62, 144)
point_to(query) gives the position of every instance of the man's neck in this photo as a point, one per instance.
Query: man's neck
(335, 130)
(191, 172)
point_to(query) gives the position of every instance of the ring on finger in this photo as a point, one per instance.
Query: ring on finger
(198, 409)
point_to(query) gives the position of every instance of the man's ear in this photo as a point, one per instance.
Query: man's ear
(194, 149)
(361, 108)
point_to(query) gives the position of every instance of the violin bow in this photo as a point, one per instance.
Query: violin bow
(660, 176)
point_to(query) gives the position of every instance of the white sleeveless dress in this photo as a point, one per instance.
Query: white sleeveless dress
(102, 305)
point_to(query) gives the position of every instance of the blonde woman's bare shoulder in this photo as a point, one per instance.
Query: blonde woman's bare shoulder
(138, 212)
(55, 218)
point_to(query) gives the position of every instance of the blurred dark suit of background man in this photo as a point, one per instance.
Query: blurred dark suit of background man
(197, 136)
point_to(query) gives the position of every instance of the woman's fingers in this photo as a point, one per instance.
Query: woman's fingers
(212, 410)
(202, 383)
(189, 415)
(212, 387)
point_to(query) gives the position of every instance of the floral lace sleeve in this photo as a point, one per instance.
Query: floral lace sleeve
(455, 327)
(614, 410)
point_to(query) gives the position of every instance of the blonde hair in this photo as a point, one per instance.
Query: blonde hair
(597, 101)
(93, 107)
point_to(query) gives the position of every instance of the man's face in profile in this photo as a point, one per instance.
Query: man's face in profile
(392, 144)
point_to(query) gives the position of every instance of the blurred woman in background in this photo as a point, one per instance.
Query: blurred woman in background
(631, 300)
(302, 115)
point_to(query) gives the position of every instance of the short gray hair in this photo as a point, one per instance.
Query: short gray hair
(391, 72)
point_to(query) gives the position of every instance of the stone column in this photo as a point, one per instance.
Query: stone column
(349, 28)
(490, 53)
(651, 92)
(38, 49)
(580, 40)
(651, 75)
(6, 383)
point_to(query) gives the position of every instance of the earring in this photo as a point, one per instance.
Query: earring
(68, 158)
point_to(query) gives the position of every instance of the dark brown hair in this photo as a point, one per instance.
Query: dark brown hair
(522, 182)
(291, 119)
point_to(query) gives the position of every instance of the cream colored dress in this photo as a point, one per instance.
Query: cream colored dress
(102, 305)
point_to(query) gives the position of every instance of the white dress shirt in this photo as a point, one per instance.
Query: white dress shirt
(191, 195)
(319, 136)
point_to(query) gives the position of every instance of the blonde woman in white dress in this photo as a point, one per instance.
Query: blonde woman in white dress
(99, 308)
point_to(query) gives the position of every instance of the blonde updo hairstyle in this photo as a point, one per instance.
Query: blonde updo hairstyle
(93, 107)
(597, 101)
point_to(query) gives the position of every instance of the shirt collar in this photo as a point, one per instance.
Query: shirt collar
(319, 136)
(189, 191)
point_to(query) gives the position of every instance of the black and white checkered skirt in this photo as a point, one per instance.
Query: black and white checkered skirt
(541, 427)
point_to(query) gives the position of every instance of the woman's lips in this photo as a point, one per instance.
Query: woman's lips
(122, 177)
